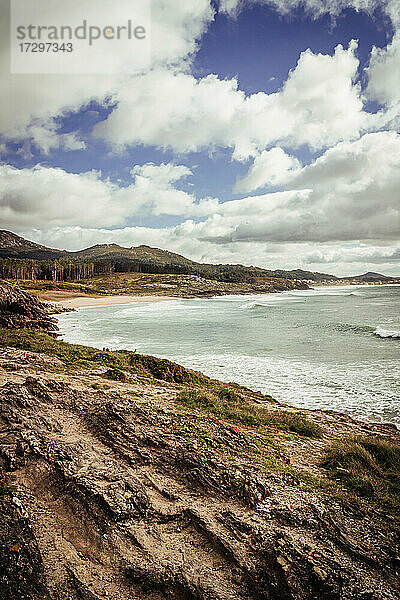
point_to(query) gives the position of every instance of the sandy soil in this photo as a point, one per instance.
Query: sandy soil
(86, 302)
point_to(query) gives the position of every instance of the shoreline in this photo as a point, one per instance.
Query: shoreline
(75, 302)
(98, 301)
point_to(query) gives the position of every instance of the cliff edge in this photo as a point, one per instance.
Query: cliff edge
(128, 477)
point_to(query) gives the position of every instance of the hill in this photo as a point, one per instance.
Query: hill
(144, 259)
(14, 246)
(371, 277)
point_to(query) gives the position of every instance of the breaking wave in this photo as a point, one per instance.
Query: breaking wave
(387, 333)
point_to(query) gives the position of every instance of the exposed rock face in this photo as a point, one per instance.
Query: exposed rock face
(117, 494)
(18, 309)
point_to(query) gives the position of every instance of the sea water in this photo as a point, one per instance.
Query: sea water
(331, 347)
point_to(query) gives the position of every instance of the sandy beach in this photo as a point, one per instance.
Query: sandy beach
(85, 302)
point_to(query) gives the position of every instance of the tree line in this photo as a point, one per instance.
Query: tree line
(51, 270)
(66, 269)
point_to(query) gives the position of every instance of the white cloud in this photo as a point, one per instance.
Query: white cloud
(319, 105)
(372, 255)
(384, 73)
(45, 197)
(271, 167)
(352, 192)
(154, 192)
(317, 8)
(338, 259)
(29, 104)
(42, 197)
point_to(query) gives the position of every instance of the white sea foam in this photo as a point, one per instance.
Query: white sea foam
(324, 292)
(299, 347)
(319, 386)
(387, 333)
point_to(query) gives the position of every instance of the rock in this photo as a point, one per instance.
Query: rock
(18, 309)
(105, 495)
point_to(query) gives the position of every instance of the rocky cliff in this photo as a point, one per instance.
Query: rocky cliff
(20, 309)
(128, 477)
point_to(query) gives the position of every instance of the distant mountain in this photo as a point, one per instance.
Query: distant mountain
(14, 246)
(136, 253)
(370, 276)
(148, 260)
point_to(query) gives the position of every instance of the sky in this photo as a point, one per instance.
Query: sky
(264, 132)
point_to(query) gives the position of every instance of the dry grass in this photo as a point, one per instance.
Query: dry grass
(223, 402)
(369, 467)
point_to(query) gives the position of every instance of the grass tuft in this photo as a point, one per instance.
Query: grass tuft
(369, 467)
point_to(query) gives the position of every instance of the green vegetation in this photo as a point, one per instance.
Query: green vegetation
(368, 467)
(91, 262)
(223, 402)
(82, 356)
(151, 580)
(21, 259)
(116, 375)
(193, 431)
(156, 581)
(62, 269)
(4, 488)
(82, 286)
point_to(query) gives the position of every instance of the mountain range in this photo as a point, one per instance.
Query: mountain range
(156, 260)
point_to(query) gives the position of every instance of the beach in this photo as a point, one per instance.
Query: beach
(92, 302)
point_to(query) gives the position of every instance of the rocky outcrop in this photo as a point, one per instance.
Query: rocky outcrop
(19, 309)
(113, 490)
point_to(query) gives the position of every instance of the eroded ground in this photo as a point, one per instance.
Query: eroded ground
(136, 479)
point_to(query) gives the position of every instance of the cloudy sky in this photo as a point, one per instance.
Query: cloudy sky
(265, 132)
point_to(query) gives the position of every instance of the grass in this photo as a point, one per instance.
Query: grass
(43, 286)
(116, 362)
(223, 402)
(193, 431)
(368, 467)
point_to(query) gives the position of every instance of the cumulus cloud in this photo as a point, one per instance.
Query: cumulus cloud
(350, 193)
(45, 197)
(271, 167)
(338, 259)
(154, 192)
(319, 105)
(384, 73)
(30, 104)
(317, 8)
(362, 254)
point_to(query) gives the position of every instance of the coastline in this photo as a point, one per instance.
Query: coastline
(93, 302)
(195, 469)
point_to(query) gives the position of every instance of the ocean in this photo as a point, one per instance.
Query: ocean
(328, 348)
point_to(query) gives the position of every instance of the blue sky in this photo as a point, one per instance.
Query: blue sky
(260, 141)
